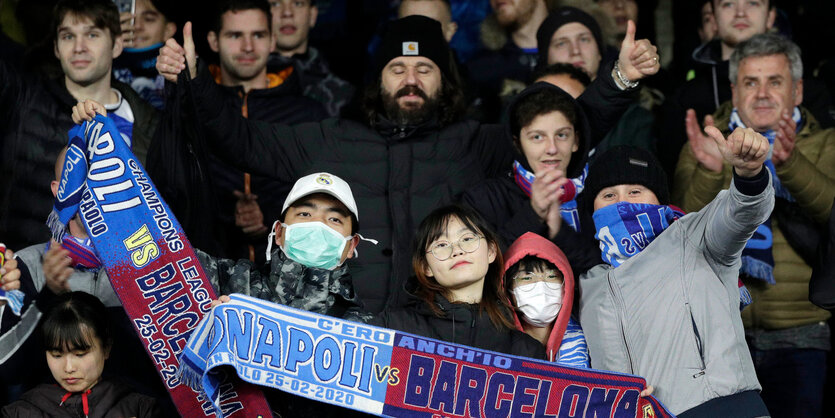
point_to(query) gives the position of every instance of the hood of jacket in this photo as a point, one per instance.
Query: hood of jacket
(579, 157)
(539, 247)
(709, 53)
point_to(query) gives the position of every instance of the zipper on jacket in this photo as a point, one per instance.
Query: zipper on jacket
(698, 338)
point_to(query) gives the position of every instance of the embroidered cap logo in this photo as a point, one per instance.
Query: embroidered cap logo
(324, 179)
(410, 48)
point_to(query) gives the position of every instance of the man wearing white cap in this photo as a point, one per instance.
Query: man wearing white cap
(316, 233)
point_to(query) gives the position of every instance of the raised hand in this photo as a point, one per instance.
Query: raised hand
(173, 57)
(546, 191)
(745, 149)
(784, 139)
(248, 215)
(126, 21)
(637, 59)
(56, 268)
(9, 273)
(702, 146)
(87, 110)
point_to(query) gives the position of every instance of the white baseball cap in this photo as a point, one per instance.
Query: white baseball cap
(322, 183)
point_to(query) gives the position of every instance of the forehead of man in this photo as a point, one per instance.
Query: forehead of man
(245, 20)
(765, 66)
(73, 21)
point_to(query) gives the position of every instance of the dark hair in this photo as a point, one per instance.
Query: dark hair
(73, 320)
(224, 6)
(451, 102)
(540, 103)
(527, 263)
(575, 73)
(433, 226)
(103, 13)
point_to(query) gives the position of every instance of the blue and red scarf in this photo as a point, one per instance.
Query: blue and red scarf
(149, 261)
(391, 373)
(757, 256)
(568, 202)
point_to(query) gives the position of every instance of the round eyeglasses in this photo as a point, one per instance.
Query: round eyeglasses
(442, 250)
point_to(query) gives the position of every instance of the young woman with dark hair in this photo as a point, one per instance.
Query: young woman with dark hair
(457, 294)
(77, 342)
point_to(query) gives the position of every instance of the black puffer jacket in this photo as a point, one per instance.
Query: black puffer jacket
(461, 323)
(33, 128)
(107, 399)
(398, 174)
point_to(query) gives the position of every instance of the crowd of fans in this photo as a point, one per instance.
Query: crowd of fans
(544, 170)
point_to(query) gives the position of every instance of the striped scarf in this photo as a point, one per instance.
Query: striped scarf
(757, 256)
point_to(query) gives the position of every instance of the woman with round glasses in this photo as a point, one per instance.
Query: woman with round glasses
(540, 284)
(457, 293)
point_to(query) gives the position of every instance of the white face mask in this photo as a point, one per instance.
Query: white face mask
(539, 302)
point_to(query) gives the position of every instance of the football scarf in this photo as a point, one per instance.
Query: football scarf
(625, 229)
(149, 261)
(568, 201)
(82, 253)
(390, 373)
(13, 298)
(757, 256)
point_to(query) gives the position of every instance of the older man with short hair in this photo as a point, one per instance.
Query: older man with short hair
(787, 335)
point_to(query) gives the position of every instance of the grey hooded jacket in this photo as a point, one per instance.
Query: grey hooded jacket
(671, 312)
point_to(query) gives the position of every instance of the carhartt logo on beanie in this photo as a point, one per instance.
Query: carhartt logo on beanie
(414, 36)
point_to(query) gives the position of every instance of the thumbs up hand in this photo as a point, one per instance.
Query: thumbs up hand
(173, 57)
(637, 59)
(744, 149)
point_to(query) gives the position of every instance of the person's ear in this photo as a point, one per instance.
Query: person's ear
(170, 30)
(491, 253)
(733, 96)
(118, 45)
(53, 185)
(772, 15)
(212, 38)
(314, 13)
(798, 92)
(279, 234)
(352, 245)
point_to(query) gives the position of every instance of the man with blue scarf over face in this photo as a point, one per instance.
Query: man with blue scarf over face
(788, 336)
(665, 304)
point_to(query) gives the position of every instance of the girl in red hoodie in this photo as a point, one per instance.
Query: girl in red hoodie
(540, 284)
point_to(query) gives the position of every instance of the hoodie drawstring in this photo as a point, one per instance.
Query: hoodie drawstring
(85, 405)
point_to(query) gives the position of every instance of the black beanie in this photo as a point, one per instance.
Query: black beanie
(556, 20)
(625, 164)
(413, 35)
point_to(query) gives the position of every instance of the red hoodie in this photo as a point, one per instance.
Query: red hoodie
(537, 246)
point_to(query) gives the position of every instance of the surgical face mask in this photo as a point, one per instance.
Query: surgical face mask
(313, 244)
(625, 229)
(539, 302)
